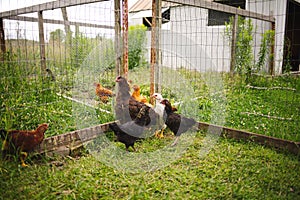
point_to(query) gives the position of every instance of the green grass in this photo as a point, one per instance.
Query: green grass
(231, 170)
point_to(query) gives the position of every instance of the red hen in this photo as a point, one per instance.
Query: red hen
(22, 141)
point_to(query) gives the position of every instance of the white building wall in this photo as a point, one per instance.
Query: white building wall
(188, 42)
(203, 46)
(276, 8)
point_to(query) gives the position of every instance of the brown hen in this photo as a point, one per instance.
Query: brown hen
(127, 108)
(22, 141)
(136, 94)
(102, 92)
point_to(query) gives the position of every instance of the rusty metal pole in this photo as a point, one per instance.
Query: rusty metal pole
(158, 50)
(153, 50)
(2, 40)
(117, 37)
(42, 42)
(125, 37)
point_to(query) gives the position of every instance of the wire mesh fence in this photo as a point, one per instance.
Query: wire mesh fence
(222, 62)
(73, 43)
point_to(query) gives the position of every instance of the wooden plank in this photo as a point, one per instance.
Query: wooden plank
(286, 145)
(2, 40)
(68, 142)
(46, 6)
(53, 21)
(223, 8)
(65, 143)
(42, 42)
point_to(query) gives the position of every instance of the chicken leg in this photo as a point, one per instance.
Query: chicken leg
(175, 142)
(23, 156)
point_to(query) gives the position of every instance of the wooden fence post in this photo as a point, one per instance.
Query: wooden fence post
(2, 40)
(67, 26)
(42, 42)
(272, 60)
(233, 43)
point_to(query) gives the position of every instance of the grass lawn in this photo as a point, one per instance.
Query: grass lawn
(231, 170)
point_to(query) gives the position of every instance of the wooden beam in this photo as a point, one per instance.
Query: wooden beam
(46, 6)
(285, 145)
(68, 142)
(42, 42)
(53, 21)
(223, 8)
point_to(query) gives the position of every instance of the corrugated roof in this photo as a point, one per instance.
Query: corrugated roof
(147, 5)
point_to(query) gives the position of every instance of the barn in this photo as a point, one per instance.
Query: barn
(198, 30)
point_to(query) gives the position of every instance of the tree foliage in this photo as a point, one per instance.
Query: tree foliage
(57, 36)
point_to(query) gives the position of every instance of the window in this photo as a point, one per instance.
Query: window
(218, 18)
(165, 18)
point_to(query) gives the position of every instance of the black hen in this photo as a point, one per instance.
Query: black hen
(131, 131)
(127, 108)
(177, 124)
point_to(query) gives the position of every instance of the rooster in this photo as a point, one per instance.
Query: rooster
(22, 141)
(103, 93)
(131, 131)
(176, 123)
(127, 108)
(136, 94)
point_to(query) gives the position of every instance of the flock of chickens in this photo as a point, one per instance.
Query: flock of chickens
(136, 119)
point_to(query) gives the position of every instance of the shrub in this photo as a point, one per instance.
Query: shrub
(136, 46)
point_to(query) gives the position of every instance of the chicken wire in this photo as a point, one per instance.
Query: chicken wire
(76, 59)
(194, 44)
(195, 55)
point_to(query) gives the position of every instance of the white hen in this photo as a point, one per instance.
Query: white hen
(159, 109)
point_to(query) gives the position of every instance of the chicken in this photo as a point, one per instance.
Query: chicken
(22, 141)
(131, 131)
(176, 123)
(136, 94)
(159, 109)
(127, 108)
(103, 93)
